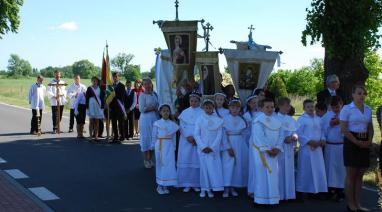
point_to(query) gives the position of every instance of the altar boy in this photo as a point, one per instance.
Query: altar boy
(286, 158)
(311, 176)
(208, 135)
(266, 144)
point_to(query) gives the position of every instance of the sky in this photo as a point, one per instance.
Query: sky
(59, 33)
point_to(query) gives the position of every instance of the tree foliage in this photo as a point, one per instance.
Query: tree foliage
(85, 69)
(132, 73)
(18, 67)
(346, 28)
(374, 84)
(278, 87)
(9, 16)
(121, 61)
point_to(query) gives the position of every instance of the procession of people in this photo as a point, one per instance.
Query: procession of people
(218, 144)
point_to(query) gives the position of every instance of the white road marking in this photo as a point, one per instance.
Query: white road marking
(16, 174)
(43, 193)
(2, 160)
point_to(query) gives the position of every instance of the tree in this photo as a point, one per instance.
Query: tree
(121, 61)
(85, 69)
(18, 66)
(9, 16)
(48, 71)
(373, 84)
(347, 29)
(277, 87)
(133, 72)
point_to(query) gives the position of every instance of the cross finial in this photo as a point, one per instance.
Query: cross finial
(251, 28)
(207, 28)
(176, 8)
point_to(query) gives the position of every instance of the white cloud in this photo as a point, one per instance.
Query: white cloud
(68, 26)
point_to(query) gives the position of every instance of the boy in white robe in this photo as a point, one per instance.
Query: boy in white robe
(36, 100)
(208, 136)
(188, 159)
(311, 176)
(266, 145)
(164, 142)
(286, 157)
(234, 150)
(333, 154)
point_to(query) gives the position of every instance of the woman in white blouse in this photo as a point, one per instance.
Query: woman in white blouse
(357, 127)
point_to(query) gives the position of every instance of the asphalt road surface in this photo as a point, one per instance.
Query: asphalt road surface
(104, 177)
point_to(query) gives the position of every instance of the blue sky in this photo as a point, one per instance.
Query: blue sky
(58, 33)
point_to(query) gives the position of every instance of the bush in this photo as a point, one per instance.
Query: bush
(278, 87)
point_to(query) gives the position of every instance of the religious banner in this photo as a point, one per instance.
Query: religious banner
(181, 40)
(164, 75)
(250, 69)
(207, 65)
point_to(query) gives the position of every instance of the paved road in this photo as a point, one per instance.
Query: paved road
(103, 177)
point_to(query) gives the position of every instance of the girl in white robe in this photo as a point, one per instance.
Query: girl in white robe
(333, 154)
(311, 176)
(234, 150)
(220, 100)
(266, 145)
(148, 106)
(208, 136)
(188, 159)
(251, 114)
(164, 143)
(286, 157)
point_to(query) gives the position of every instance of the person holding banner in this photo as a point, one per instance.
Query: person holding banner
(57, 97)
(94, 106)
(117, 109)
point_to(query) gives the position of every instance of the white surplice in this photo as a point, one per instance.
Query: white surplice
(164, 143)
(73, 91)
(333, 153)
(286, 158)
(36, 96)
(266, 136)
(221, 112)
(311, 176)
(188, 159)
(208, 133)
(249, 117)
(235, 169)
(52, 93)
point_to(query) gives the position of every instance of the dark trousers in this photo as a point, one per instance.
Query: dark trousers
(100, 128)
(81, 117)
(54, 115)
(71, 119)
(117, 123)
(129, 125)
(35, 120)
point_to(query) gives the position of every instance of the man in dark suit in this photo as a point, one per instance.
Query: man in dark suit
(332, 89)
(130, 103)
(117, 109)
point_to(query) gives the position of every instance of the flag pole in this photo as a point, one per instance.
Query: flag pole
(107, 109)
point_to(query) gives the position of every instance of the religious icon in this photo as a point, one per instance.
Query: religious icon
(179, 44)
(207, 79)
(248, 75)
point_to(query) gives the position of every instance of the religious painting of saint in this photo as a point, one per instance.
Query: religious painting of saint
(179, 44)
(207, 79)
(248, 75)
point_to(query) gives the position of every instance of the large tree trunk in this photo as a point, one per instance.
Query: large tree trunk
(351, 71)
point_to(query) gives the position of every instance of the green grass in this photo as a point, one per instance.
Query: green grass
(15, 91)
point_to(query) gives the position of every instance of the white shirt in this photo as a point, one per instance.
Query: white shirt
(36, 96)
(357, 121)
(73, 90)
(52, 93)
(332, 92)
(80, 100)
(128, 92)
